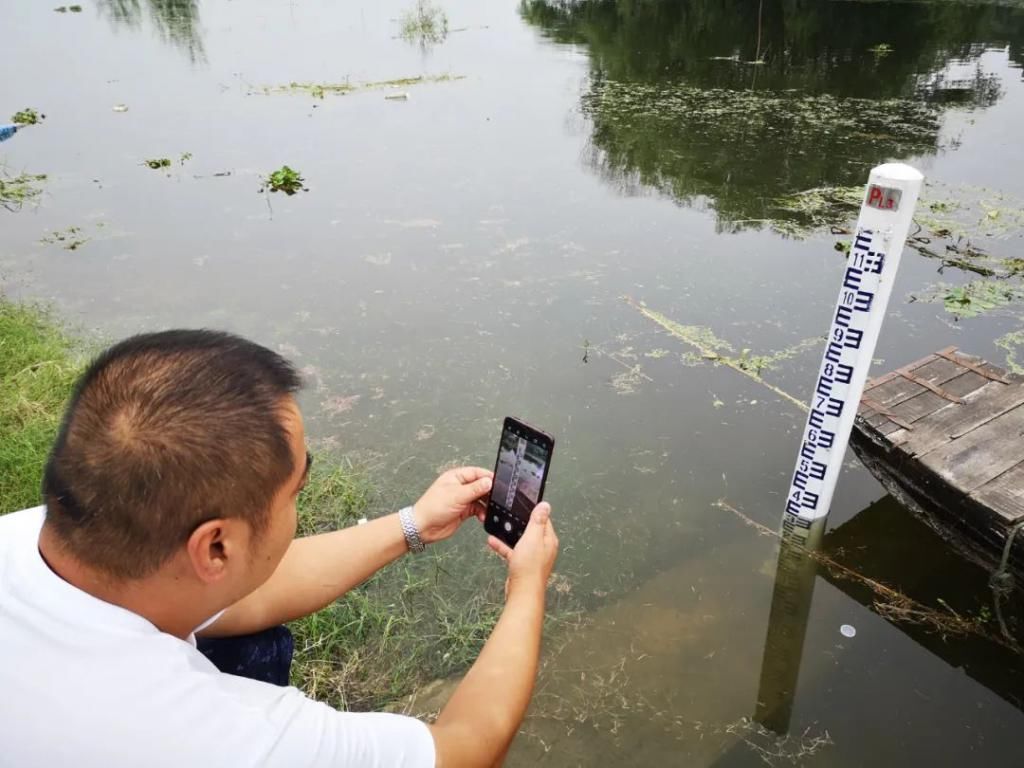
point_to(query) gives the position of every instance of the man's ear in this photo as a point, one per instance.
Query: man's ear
(210, 548)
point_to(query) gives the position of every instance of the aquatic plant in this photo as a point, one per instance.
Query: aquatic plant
(27, 117)
(286, 180)
(69, 239)
(1013, 343)
(424, 23)
(343, 88)
(15, 191)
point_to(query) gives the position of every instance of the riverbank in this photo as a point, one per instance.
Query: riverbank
(382, 641)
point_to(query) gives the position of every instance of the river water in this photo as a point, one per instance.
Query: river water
(466, 251)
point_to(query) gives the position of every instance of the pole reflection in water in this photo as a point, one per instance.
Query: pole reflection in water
(787, 623)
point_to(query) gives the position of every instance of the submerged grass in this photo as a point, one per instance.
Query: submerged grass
(424, 23)
(345, 87)
(1013, 343)
(711, 348)
(408, 625)
(15, 191)
(411, 623)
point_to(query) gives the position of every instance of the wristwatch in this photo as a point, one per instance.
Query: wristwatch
(410, 531)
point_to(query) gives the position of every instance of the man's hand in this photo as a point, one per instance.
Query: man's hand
(531, 562)
(477, 725)
(450, 501)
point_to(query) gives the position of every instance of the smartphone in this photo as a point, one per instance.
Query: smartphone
(520, 473)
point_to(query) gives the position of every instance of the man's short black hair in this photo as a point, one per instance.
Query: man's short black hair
(163, 432)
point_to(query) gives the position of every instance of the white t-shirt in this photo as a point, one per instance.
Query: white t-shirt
(89, 684)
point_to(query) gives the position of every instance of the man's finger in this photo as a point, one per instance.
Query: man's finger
(500, 547)
(473, 491)
(470, 474)
(541, 514)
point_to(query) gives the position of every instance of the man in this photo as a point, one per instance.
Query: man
(170, 509)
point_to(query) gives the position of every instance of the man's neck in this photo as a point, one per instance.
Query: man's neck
(161, 599)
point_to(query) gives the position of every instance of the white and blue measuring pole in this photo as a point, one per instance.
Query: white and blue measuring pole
(885, 218)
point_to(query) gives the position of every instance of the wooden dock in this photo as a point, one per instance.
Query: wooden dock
(945, 435)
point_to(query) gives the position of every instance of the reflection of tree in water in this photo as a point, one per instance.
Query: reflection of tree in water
(677, 103)
(177, 21)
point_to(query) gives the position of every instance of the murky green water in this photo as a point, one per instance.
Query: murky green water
(458, 252)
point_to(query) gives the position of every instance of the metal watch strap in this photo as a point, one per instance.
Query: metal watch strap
(410, 531)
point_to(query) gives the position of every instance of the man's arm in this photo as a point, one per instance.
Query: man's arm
(480, 720)
(317, 570)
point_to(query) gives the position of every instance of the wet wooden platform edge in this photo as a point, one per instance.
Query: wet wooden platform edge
(949, 429)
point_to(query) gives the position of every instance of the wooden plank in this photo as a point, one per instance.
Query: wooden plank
(883, 414)
(1004, 495)
(880, 380)
(923, 406)
(895, 391)
(961, 386)
(914, 366)
(935, 388)
(932, 372)
(986, 369)
(982, 454)
(876, 419)
(954, 421)
(975, 364)
(936, 371)
(889, 427)
(965, 384)
(917, 408)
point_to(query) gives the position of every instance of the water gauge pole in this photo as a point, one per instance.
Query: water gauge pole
(874, 258)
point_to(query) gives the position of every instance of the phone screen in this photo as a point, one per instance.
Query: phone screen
(520, 472)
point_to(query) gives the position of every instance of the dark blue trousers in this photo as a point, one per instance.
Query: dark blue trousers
(264, 656)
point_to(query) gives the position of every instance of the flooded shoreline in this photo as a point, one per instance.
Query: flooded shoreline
(478, 248)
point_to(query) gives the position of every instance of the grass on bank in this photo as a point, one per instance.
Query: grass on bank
(38, 366)
(412, 623)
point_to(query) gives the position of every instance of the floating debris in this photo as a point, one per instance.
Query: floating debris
(68, 239)
(847, 630)
(157, 163)
(120, 107)
(397, 97)
(337, 405)
(320, 90)
(713, 349)
(27, 117)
